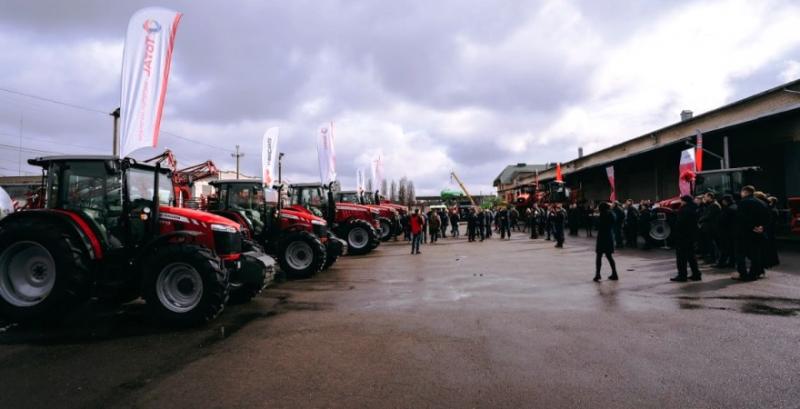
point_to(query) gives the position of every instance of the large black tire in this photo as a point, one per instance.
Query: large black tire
(360, 237)
(172, 276)
(301, 254)
(375, 239)
(55, 263)
(385, 232)
(242, 292)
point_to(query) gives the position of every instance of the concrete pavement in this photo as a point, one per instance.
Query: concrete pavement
(495, 324)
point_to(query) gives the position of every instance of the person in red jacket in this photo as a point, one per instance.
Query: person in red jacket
(416, 224)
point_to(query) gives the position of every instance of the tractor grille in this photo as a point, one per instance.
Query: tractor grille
(227, 243)
(320, 231)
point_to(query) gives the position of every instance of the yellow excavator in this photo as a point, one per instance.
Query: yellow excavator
(464, 189)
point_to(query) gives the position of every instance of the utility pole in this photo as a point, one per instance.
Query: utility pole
(237, 155)
(115, 138)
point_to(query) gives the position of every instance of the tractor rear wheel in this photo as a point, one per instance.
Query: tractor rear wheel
(43, 271)
(184, 285)
(386, 229)
(301, 255)
(360, 237)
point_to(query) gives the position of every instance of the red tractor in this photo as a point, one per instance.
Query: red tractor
(357, 224)
(299, 240)
(388, 216)
(107, 230)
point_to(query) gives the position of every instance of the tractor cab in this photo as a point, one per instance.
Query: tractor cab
(315, 198)
(724, 181)
(557, 192)
(243, 201)
(114, 197)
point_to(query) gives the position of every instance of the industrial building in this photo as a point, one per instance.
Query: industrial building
(762, 130)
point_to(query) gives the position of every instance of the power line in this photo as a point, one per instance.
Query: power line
(53, 101)
(89, 109)
(195, 141)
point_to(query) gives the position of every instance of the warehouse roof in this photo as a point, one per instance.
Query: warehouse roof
(774, 101)
(511, 171)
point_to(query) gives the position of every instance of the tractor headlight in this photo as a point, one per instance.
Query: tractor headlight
(375, 212)
(319, 222)
(223, 228)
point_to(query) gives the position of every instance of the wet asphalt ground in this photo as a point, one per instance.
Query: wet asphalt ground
(495, 324)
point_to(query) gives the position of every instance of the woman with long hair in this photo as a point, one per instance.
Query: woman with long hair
(605, 241)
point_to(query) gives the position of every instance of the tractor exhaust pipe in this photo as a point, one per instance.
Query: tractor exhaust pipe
(156, 202)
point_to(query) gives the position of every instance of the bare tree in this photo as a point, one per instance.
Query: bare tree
(402, 198)
(412, 196)
(393, 191)
(369, 186)
(384, 190)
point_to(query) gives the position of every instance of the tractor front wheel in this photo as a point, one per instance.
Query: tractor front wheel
(386, 229)
(184, 285)
(301, 255)
(360, 237)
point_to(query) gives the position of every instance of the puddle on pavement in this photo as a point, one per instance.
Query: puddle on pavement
(774, 306)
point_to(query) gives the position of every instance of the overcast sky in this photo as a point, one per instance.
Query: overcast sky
(470, 86)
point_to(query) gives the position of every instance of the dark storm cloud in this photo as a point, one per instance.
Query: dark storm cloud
(483, 82)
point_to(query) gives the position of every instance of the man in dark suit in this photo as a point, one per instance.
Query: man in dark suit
(686, 230)
(751, 217)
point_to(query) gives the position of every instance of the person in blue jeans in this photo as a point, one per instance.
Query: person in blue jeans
(416, 225)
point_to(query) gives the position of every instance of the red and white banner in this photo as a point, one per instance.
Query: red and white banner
(699, 152)
(610, 174)
(269, 157)
(559, 176)
(145, 72)
(377, 172)
(686, 172)
(326, 154)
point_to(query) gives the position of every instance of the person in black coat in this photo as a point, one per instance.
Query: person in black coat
(454, 224)
(605, 242)
(471, 225)
(751, 218)
(619, 220)
(557, 219)
(685, 237)
(645, 217)
(726, 226)
(709, 224)
(770, 248)
(573, 219)
(631, 224)
(480, 221)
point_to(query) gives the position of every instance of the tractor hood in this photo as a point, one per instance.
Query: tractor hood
(185, 215)
(304, 215)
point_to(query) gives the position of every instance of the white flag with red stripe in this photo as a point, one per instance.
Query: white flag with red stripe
(269, 157)
(145, 72)
(326, 154)
(377, 172)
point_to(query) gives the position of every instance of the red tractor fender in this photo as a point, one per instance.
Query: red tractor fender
(71, 221)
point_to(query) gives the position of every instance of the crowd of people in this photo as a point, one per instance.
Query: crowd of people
(721, 232)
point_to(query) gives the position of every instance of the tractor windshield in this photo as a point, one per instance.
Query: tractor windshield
(141, 183)
(719, 183)
(349, 197)
(89, 187)
(246, 197)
